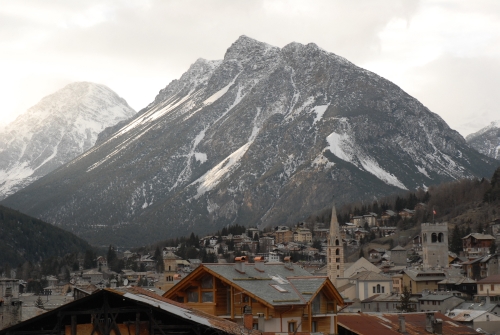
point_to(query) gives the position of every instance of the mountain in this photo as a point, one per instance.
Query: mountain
(60, 127)
(265, 136)
(23, 238)
(487, 140)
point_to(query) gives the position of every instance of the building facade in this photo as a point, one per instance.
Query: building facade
(435, 244)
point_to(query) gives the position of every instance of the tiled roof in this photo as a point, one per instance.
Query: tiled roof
(277, 285)
(370, 275)
(478, 236)
(425, 275)
(438, 297)
(493, 279)
(476, 306)
(388, 324)
(465, 315)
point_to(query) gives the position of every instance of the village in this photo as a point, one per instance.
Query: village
(284, 280)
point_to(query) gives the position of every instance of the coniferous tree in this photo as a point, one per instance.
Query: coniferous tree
(39, 303)
(406, 305)
(456, 240)
(493, 248)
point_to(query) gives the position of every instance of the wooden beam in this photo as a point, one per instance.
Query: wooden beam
(232, 302)
(73, 325)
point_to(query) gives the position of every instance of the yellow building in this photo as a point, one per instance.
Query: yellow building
(418, 280)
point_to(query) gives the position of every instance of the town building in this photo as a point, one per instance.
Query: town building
(438, 301)
(335, 250)
(126, 311)
(398, 255)
(487, 322)
(420, 280)
(435, 244)
(386, 302)
(489, 288)
(10, 305)
(477, 244)
(284, 297)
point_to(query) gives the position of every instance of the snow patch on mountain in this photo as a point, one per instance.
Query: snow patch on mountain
(344, 147)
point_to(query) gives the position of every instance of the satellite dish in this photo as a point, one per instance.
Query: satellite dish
(125, 282)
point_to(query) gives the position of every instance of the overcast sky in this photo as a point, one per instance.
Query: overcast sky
(444, 53)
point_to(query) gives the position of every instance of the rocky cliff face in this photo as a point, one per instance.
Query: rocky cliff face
(487, 140)
(265, 136)
(57, 129)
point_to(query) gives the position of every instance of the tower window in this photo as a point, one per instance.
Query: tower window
(337, 252)
(337, 242)
(433, 238)
(441, 237)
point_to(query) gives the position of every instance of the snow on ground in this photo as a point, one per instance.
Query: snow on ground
(319, 110)
(344, 147)
(210, 179)
(214, 97)
(422, 171)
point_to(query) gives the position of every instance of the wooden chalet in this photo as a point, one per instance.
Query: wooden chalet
(278, 297)
(126, 311)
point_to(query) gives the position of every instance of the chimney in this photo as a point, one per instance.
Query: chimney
(259, 263)
(247, 317)
(288, 262)
(438, 327)
(239, 264)
(261, 321)
(429, 320)
(402, 325)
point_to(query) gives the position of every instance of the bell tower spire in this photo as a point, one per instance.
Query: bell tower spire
(335, 257)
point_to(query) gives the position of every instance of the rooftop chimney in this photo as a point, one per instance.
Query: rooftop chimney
(259, 263)
(239, 264)
(429, 320)
(402, 325)
(438, 327)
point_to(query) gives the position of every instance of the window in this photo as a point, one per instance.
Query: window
(291, 327)
(337, 260)
(481, 287)
(383, 288)
(316, 303)
(255, 326)
(422, 302)
(314, 326)
(207, 296)
(374, 289)
(492, 287)
(440, 237)
(8, 291)
(434, 238)
(192, 296)
(337, 242)
(337, 252)
(378, 288)
(207, 282)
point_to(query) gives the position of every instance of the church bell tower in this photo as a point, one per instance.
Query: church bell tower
(335, 256)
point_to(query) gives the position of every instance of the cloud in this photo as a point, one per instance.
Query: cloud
(463, 91)
(136, 47)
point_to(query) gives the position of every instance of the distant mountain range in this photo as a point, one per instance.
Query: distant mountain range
(487, 140)
(265, 136)
(60, 127)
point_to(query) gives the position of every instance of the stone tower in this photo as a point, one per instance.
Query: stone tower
(335, 250)
(435, 245)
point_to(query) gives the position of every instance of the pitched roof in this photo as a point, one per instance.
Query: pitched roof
(370, 275)
(388, 324)
(493, 279)
(425, 275)
(479, 236)
(398, 248)
(276, 285)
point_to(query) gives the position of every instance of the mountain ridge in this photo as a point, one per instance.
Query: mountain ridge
(57, 129)
(263, 137)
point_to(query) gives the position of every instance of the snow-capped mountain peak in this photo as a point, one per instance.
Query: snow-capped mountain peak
(54, 131)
